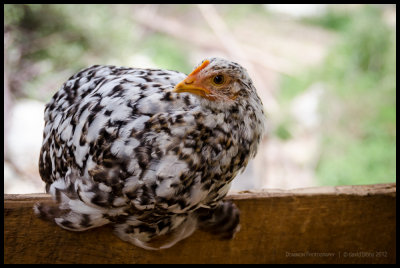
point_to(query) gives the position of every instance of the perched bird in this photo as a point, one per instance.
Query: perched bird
(152, 152)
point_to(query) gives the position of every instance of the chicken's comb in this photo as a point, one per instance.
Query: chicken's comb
(201, 67)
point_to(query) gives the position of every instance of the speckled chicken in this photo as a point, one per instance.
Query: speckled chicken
(150, 151)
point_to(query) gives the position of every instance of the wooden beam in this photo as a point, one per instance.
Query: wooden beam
(347, 224)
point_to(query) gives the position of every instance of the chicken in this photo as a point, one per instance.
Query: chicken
(151, 152)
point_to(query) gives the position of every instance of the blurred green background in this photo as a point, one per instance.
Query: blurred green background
(326, 74)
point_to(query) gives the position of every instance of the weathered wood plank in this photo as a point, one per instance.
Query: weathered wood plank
(347, 224)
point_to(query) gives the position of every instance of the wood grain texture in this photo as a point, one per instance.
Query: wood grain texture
(347, 224)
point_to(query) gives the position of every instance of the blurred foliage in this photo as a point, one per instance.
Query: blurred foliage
(359, 111)
(56, 41)
(159, 45)
(333, 19)
(282, 131)
(235, 14)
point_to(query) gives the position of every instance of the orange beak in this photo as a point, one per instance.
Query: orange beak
(192, 84)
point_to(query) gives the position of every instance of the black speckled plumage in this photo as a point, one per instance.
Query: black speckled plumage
(121, 146)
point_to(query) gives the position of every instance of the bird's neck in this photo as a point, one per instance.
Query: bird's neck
(245, 119)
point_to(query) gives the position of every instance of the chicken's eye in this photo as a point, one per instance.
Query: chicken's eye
(219, 79)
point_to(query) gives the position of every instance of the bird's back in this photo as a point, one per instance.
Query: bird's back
(95, 105)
